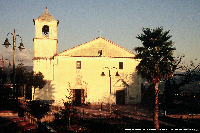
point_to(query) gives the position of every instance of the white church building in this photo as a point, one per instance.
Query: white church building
(98, 71)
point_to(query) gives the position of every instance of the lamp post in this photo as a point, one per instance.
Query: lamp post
(110, 75)
(21, 47)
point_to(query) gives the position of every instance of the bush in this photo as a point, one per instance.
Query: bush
(38, 109)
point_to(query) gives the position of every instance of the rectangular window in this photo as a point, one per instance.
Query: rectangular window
(120, 65)
(100, 52)
(78, 64)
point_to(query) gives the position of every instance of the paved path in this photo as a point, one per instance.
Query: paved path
(123, 110)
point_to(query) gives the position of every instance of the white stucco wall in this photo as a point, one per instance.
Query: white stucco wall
(96, 86)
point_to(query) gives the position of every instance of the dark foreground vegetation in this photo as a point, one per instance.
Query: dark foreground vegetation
(182, 123)
(104, 125)
(79, 124)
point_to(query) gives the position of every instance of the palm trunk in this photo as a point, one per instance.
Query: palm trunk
(155, 117)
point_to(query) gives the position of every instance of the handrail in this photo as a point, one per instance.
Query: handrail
(28, 116)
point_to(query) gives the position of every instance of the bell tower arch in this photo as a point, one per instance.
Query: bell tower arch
(45, 41)
(45, 44)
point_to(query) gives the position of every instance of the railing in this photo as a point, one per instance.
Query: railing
(30, 118)
(186, 116)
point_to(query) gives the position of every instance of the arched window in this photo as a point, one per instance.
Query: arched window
(45, 30)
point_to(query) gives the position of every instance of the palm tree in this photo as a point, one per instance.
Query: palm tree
(156, 62)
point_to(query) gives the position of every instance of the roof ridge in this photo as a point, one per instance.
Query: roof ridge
(118, 46)
(94, 40)
(79, 45)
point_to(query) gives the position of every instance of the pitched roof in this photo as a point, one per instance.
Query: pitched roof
(46, 16)
(91, 48)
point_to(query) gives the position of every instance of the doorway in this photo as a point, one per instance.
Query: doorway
(120, 97)
(78, 96)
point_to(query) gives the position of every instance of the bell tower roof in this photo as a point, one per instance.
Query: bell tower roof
(46, 16)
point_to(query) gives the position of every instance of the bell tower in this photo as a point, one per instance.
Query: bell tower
(45, 41)
(45, 44)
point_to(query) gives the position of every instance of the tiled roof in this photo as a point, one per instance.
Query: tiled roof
(37, 58)
(59, 54)
(118, 46)
(95, 56)
(46, 16)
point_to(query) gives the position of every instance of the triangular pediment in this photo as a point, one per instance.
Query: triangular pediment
(96, 47)
(120, 83)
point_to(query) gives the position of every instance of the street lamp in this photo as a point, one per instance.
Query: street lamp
(6, 43)
(117, 74)
(21, 47)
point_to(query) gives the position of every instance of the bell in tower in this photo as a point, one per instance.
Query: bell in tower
(45, 30)
(45, 41)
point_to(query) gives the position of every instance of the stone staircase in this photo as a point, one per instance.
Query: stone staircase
(10, 118)
(47, 117)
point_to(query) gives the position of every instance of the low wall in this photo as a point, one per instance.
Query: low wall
(48, 117)
(185, 116)
(31, 119)
(8, 113)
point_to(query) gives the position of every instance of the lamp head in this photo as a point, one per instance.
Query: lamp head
(21, 47)
(6, 43)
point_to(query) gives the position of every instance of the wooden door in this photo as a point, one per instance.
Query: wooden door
(77, 97)
(120, 97)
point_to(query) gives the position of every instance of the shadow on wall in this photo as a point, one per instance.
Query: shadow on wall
(46, 94)
(133, 91)
(127, 90)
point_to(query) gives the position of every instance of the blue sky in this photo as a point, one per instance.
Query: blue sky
(120, 22)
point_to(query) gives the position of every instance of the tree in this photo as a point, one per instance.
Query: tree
(20, 79)
(191, 73)
(3, 80)
(67, 114)
(20, 75)
(171, 88)
(3, 77)
(172, 85)
(30, 79)
(156, 62)
(35, 80)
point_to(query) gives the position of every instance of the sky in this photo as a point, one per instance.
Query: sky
(119, 21)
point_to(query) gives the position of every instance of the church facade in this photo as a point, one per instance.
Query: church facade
(98, 71)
